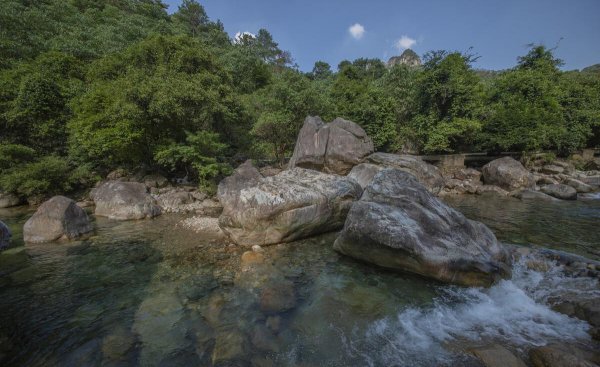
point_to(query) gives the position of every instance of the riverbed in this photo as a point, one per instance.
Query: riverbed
(153, 293)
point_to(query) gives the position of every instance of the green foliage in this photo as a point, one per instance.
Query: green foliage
(149, 96)
(197, 156)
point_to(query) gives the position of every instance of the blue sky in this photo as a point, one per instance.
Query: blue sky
(498, 30)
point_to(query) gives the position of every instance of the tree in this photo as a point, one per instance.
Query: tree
(191, 16)
(159, 92)
(321, 70)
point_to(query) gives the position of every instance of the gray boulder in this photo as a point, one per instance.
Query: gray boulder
(294, 204)
(398, 224)
(578, 185)
(429, 175)
(124, 201)
(333, 148)
(508, 174)
(4, 236)
(560, 191)
(59, 218)
(8, 200)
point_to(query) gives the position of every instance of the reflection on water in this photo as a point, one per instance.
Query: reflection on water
(572, 226)
(150, 293)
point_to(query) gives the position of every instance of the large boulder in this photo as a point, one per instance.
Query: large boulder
(507, 173)
(4, 236)
(59, 218)
(429, 175)
(333, 148)
(581, 187)
(294, 204)
(398, 224)
(124, 201)
(560, 191)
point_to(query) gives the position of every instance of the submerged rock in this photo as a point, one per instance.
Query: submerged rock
(4, 236)
(560, 191)
(427, 174)
(294, 204)
(56, 219)
(334, 148)
(398, 224)
(507, 173)
(560, 355)
(124, 201)
(532, 195)
(497, 356)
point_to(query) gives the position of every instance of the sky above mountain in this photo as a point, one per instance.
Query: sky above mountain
(497, 30)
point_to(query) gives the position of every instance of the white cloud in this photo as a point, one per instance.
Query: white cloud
(239, 36)
(405, 42)
(357, 31)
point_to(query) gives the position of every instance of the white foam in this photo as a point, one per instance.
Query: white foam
(513, 312)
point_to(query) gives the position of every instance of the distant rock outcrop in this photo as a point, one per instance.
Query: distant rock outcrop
(408, 57)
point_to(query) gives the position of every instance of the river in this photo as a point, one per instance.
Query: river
(151, 293)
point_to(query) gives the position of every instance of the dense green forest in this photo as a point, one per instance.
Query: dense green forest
(88, 86)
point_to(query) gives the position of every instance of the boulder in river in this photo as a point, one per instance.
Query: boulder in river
(57, 219)
(294, 204)
(581, 187)
(4, 236)
(124, 201)
(333, 148)
(528, 194)
(429, 175)
(508, 174)
(560, 191)
(398, 224)
(561, 355)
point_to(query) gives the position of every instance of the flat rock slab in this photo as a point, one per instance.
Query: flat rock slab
(398, 224)
(294, 204)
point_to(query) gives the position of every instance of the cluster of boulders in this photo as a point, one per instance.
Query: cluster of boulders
(386, 206)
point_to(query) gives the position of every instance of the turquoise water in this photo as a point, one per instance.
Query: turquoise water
(151, 293)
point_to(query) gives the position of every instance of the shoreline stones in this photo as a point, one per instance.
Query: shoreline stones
(335, 147)
(398, 224)
(122, 200)
(5, 235)
(56, 219)
(294, 204)
(8, 200)
(560, 191)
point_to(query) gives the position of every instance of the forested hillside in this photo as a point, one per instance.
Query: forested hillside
(88, 86)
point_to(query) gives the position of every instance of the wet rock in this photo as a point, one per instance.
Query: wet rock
(56, 219)
(124, 201)
(398, 224)
(279, 296)
(578, 185)
(252, 258)
(230, 349)
(295, 204)
(429, 175)
(579, 306)
(560, 191)
(333, 148)
(197, 286)
(4, 236)
(263, 339)
(561, 355)
(273, 323)
(8, 200)
(508, 174)
(117, 345)
(551, 169)
(532, 195)
(497, 356)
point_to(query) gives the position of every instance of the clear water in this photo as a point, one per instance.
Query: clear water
(150, 293)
